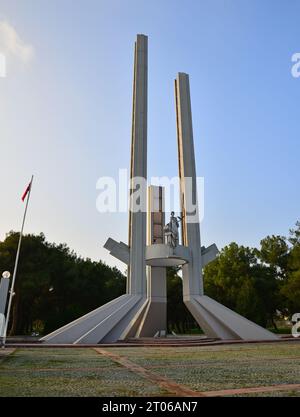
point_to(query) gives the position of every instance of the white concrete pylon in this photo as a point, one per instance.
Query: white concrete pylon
(192, 272)
(138, 169)
(4, 286)
(215, 319)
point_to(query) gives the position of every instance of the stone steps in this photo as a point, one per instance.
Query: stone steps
(168, 341)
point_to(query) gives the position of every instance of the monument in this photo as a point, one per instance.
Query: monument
(154, 246)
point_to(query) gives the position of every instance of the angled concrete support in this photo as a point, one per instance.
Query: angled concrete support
(216, 320)
(208, 254)
(104, 324)
(119, 250)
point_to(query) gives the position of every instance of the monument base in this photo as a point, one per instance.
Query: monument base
(126, 316)
(218, 321)
(134, 316)
(105, 324)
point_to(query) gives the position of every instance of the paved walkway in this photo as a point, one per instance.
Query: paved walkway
(151, 342)
(5, 352)
(181, 390)
(272, 388)
(167, 384)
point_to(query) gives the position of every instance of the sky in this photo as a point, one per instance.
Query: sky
(65, 112)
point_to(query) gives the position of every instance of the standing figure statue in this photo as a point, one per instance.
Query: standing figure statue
(171, 230)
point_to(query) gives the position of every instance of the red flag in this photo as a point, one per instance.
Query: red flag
(26, 191)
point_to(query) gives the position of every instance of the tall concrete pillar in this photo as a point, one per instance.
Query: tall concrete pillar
(4, 286)
(136, 281)
(155, 316)
(192, 272)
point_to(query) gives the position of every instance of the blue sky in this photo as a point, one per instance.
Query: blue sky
(65, 112)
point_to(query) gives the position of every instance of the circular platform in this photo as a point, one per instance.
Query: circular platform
(163, 255)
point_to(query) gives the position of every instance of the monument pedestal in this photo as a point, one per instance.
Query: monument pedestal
(218, 321)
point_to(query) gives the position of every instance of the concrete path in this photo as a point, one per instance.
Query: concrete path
(272, 388)
(181, 390)
(151, 342)
(6, 352)
(167, 384)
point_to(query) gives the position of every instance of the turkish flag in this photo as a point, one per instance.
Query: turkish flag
(26, 191)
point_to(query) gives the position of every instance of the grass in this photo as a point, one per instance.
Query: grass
(83, 372)
(223, 367)
(271, 394)
(68, 372)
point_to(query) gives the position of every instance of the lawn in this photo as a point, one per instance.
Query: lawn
(223, 367)
(84, 372)
(44, 372)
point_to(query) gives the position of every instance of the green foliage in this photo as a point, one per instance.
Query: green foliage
(259, 283)
(294, 238)
(274, 252)
(291, 288)
(54, 285)
(237, 280)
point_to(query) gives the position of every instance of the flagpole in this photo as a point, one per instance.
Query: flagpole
(16, 267)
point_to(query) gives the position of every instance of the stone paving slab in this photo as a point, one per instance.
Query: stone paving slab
(172, 342)
(6, 352)
(171, 386)
(272, 388)
(177, 389)
(210, 369)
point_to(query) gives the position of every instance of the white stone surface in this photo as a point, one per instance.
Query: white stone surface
(137, 220)
(192, 272)
(4, 286)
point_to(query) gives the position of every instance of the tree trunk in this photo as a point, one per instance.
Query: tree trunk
(274, 324)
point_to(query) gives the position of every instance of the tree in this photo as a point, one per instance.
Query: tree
(239, 281)
(274, 252)
(54, 285)
(291, 287)
(224, 276)
(294, 238)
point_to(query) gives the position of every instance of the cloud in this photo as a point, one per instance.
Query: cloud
(12, 44)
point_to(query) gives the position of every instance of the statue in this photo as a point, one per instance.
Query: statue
(171, 230)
